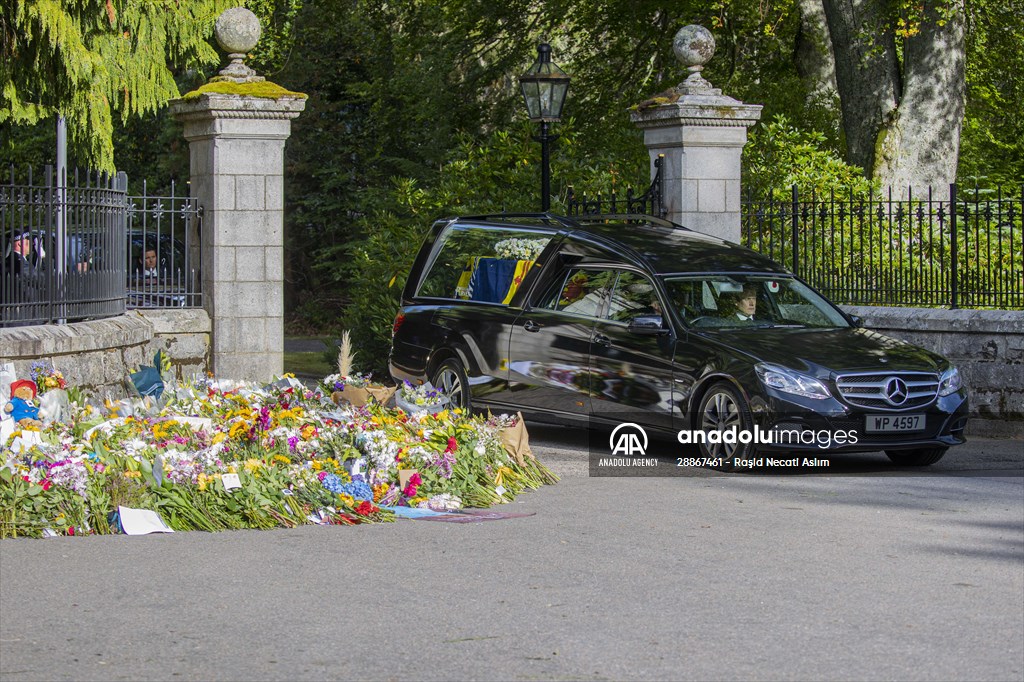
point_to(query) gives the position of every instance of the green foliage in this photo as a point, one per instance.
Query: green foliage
(102, 63)
(501, 173)
(992, 141)
(278, 32)
(779, 156)
(91, 59)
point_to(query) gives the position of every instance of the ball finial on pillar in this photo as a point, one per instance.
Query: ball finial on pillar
(694, 46)
(237, 31)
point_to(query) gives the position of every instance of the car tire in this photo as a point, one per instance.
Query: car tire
(450, 378)
(722, 408)
(921, 457)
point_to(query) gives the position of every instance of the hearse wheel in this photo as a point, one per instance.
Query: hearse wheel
(921, 457)
(721, 409)
(450, 378)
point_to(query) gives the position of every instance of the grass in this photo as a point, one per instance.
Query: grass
(308, 364)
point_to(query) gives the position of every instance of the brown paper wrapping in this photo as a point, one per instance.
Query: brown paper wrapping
(360, 396)
(517, 441)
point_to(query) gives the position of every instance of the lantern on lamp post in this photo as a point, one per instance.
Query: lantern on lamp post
(544, 88)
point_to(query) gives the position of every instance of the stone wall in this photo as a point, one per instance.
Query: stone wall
(98, 355)
(987, 346)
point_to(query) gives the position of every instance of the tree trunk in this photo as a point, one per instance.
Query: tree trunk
(922, 145)
(902, 127)
(867, 73)
(813, 52)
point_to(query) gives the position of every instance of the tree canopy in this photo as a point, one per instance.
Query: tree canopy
(97, 61)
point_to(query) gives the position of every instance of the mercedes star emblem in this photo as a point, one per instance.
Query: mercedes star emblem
(896, 391)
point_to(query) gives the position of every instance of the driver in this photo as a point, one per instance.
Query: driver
(742, 306)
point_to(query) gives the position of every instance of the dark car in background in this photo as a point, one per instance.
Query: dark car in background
(610, 318)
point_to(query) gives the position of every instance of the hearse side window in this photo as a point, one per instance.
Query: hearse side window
(583, 292)
(477, 263)
(634, 295)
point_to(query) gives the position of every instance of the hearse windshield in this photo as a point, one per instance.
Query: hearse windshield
(735, 301)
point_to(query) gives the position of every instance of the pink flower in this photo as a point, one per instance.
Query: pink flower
(46, 483)
(452, 446)
(321, 476)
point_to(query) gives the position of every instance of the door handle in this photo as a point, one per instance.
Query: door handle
(602, 340)
(531, 326)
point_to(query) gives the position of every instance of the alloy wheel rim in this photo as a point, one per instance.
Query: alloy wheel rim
(721, 413)
(450, 385)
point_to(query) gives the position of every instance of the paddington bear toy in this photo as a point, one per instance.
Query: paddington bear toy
(22, 406)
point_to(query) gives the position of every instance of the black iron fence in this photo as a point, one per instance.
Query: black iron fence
(163, 251)
(84, 249)
(649, 203)
(62, 248)
(958, 249)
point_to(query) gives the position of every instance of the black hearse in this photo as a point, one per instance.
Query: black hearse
(632, 318)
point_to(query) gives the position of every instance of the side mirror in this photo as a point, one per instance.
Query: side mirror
(856, 321)
(650, 325)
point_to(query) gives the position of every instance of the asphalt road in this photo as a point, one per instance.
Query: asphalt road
(855, 573)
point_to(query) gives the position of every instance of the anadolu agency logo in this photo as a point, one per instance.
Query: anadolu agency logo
(628, 439)
(628, 445)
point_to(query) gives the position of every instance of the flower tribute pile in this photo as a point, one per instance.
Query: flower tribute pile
(206, 458)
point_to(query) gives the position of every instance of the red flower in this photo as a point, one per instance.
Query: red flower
(415, 479)
(71, 530)
(365, 508)
(47, 484)
(452, 446)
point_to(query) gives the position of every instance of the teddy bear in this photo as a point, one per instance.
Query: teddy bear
(22, 406)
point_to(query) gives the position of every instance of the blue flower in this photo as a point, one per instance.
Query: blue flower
(357, 490)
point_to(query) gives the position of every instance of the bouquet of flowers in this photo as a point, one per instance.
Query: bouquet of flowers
(46, 377)
(352, 387)
(520, 249)
(420, 399)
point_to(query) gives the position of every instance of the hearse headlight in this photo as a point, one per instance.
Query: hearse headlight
(950, 381)
(788, 381)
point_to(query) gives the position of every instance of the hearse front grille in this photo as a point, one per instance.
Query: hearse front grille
(889, 390)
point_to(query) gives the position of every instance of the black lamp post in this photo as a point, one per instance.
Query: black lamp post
(544, 88)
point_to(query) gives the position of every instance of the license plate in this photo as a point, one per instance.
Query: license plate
(891, 423)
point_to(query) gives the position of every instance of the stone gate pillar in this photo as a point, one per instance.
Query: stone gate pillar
(701, 133)
(236, 126)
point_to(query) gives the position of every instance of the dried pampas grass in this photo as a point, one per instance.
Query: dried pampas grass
(345, 355)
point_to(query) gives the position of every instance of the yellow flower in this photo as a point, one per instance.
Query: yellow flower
(219, 437)
(132, 474)
(346, 500)
(282, 459)
(252, 464)
(239, 427)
